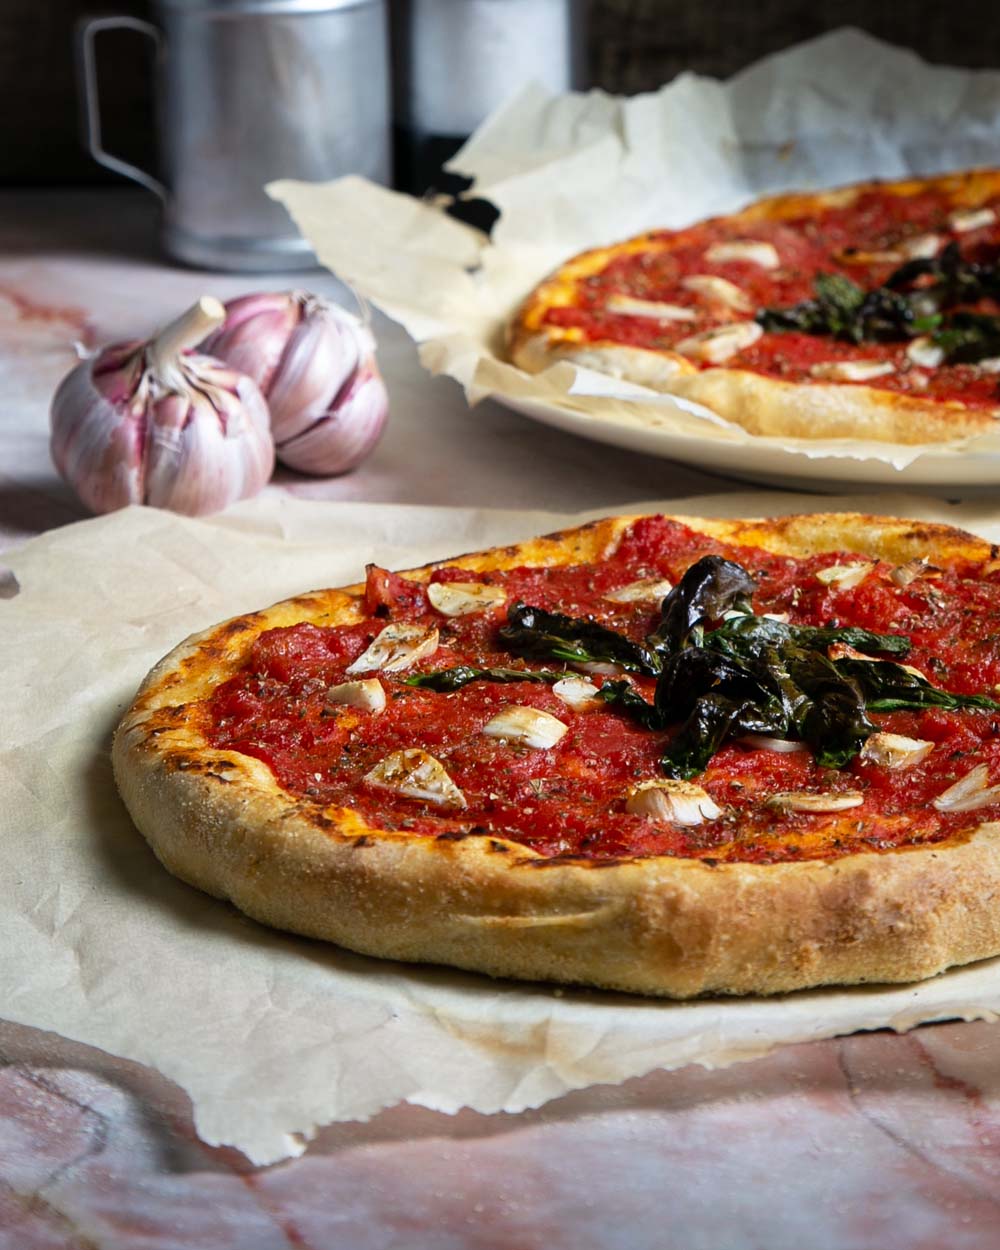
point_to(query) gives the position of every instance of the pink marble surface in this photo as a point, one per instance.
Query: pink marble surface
(872, 1142)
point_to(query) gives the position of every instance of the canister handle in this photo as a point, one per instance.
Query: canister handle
(86, 65)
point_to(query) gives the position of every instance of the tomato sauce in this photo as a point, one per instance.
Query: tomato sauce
(569, 800)
(839, 240)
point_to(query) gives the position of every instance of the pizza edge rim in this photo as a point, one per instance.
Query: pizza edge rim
(661, 926)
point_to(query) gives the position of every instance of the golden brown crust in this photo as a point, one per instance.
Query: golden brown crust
(762, 405)
(663, 925)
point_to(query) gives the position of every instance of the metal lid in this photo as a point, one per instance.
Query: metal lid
(259, 8)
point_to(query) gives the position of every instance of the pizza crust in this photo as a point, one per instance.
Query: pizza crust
(762, 405)
(662, 926)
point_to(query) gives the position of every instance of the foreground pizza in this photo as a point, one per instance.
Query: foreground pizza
(870, 311)
(665, 755)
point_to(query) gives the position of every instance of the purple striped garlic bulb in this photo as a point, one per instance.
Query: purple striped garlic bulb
(155, 423)
(315, 364)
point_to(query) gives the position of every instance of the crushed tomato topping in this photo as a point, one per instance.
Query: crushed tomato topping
(569, 799)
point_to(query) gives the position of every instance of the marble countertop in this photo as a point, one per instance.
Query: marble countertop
(872, 1141)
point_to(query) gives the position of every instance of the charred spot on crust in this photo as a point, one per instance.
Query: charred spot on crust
(500, 847)
(239, 625)
(573, 861)
(166, 718)
(451, 835)
(364, 840)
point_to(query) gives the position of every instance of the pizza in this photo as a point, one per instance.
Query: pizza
(870, 311)
(666, 755)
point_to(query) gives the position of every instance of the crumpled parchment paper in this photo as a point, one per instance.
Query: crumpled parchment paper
(274, 1035)
(574, 171)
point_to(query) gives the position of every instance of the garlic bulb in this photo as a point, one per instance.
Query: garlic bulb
(315, 364)
(154, 423)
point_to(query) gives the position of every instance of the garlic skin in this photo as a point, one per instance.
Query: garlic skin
(154, 423)
(315, 364)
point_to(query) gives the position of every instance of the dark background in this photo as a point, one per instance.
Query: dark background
(632, 45)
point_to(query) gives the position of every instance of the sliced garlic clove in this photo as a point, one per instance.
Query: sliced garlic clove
(965, 220)
(748, 250)
(527, 726)
(905, 574)
(719, 290)
(844, 576)
(464, 598)
(923, 351)
(628, 306)
(807, 801)
(672, 802)
(396, 647)
(968, 793)
(597, 668)
(893, 751)
(921, 247)
(785, 746)
(366, 695)
(990, 364)
(577, 693)
(720, 343)
(852, 370)
(648, 590)
(416, 775)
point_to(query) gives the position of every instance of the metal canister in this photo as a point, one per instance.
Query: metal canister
(455, 61)
(248, 91)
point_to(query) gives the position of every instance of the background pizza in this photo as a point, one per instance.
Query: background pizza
(871, 311)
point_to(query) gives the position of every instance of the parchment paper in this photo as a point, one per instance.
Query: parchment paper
(574, 171)
(273, 1035)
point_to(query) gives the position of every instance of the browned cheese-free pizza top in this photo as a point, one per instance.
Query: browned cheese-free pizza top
(870, 311)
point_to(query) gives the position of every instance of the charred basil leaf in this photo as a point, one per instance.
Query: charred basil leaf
(446, 679)
(889, 687)
(626, 698)
(844, 310)
(968, 338)
(832, 718)
(955, 280)
(747, 634)
(713, 719)
(711, 587)
(835, 310)
(551, 635)
(922, 296)
(723, 672)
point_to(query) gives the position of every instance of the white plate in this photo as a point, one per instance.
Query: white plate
(944, 472)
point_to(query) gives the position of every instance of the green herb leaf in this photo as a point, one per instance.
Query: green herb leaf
(923, 296)
(551, 635)
(889, 687)
(711, 587)
(445, 679)
(969, 337)
(748, 674)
